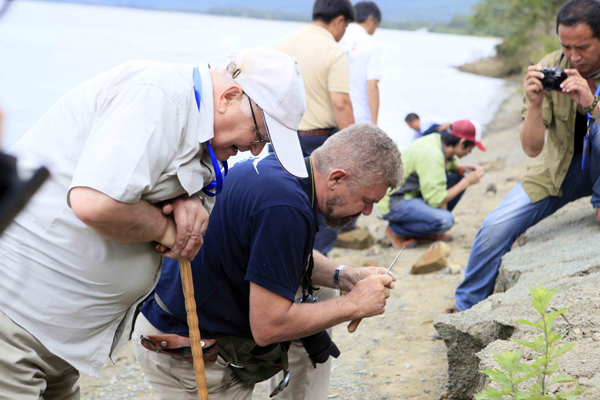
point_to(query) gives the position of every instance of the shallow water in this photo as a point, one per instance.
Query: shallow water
(48, 48)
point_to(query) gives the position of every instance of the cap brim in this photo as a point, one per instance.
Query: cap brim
(481, 147)
(287, 148)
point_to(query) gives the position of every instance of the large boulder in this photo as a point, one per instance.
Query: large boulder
(562, 251)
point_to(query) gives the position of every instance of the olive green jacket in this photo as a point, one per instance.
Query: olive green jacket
(558, 113)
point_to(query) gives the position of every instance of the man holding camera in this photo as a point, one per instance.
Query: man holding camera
(556, 126)
(258, 251)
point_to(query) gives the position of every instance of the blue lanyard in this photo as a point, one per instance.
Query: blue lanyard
(586, 139)
(217, 184)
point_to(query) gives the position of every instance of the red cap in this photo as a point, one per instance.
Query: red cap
(469, 130)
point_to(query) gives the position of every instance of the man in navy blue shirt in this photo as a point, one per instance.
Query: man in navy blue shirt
(256, 250)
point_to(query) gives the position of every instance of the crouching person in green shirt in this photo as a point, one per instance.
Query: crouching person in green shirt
(434, 183)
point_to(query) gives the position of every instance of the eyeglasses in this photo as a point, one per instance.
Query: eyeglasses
(260, 140)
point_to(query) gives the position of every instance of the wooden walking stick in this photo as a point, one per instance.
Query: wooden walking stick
(187, 282)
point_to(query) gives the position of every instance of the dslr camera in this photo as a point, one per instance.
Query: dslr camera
(318, 346)
(553, 77)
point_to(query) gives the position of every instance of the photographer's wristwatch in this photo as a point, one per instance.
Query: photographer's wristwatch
(336, 276)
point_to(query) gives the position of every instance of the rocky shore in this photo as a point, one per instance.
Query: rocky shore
(561, 251)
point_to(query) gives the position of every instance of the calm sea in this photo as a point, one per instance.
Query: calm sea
(48, 48)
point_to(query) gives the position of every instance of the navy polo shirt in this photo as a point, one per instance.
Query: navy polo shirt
(261, 230)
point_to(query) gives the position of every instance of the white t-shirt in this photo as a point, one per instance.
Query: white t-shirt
(364, 57)
(132, 133)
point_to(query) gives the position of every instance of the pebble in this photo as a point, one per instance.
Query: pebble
(407, 366)
(453, 269)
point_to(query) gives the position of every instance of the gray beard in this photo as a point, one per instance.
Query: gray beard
(336, 222)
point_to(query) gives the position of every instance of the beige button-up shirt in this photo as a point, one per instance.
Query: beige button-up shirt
(558, 113)
(324, 68)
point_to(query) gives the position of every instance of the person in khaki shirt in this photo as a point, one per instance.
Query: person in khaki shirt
(326, 74)
(325, 71)
(555, 126)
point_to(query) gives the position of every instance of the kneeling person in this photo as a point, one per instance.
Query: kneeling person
(421, 208)
(257, 251)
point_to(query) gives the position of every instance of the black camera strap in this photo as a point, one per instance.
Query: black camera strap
(307, 286)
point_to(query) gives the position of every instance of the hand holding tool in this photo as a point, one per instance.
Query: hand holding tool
(354, 323)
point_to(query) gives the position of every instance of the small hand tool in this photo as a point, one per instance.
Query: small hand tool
(394, 262)
(354, 323)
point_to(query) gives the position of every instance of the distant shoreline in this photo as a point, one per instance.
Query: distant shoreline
(458, 25)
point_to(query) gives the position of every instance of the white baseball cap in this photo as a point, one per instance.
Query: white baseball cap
(273, 81)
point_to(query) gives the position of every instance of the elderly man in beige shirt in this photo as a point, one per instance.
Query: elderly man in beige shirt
(80, 257)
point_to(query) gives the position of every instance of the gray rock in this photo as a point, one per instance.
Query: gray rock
(561, 251)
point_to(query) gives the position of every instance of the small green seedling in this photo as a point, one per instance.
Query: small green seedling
(543, 369)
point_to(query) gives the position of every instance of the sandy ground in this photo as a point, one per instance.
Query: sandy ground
(394, 356)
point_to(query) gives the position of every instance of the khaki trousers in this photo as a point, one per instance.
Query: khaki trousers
(28, 371)
(175, 379)
(306, 382)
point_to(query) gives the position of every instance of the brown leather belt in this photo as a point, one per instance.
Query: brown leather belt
(315, 132)
(180, 347)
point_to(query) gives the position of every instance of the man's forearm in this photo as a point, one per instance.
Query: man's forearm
(325, 269)
(373, 98)
(455, 190)
(344, 117)
(342, 109)
(308, 319)
(298, 320)
(533, 131)
(118, 221)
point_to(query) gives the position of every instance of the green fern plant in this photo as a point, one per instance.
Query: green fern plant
(543, 369)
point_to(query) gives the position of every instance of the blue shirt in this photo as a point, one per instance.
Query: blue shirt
(261, 230)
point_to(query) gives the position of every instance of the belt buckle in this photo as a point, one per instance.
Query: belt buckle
(282, 385)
